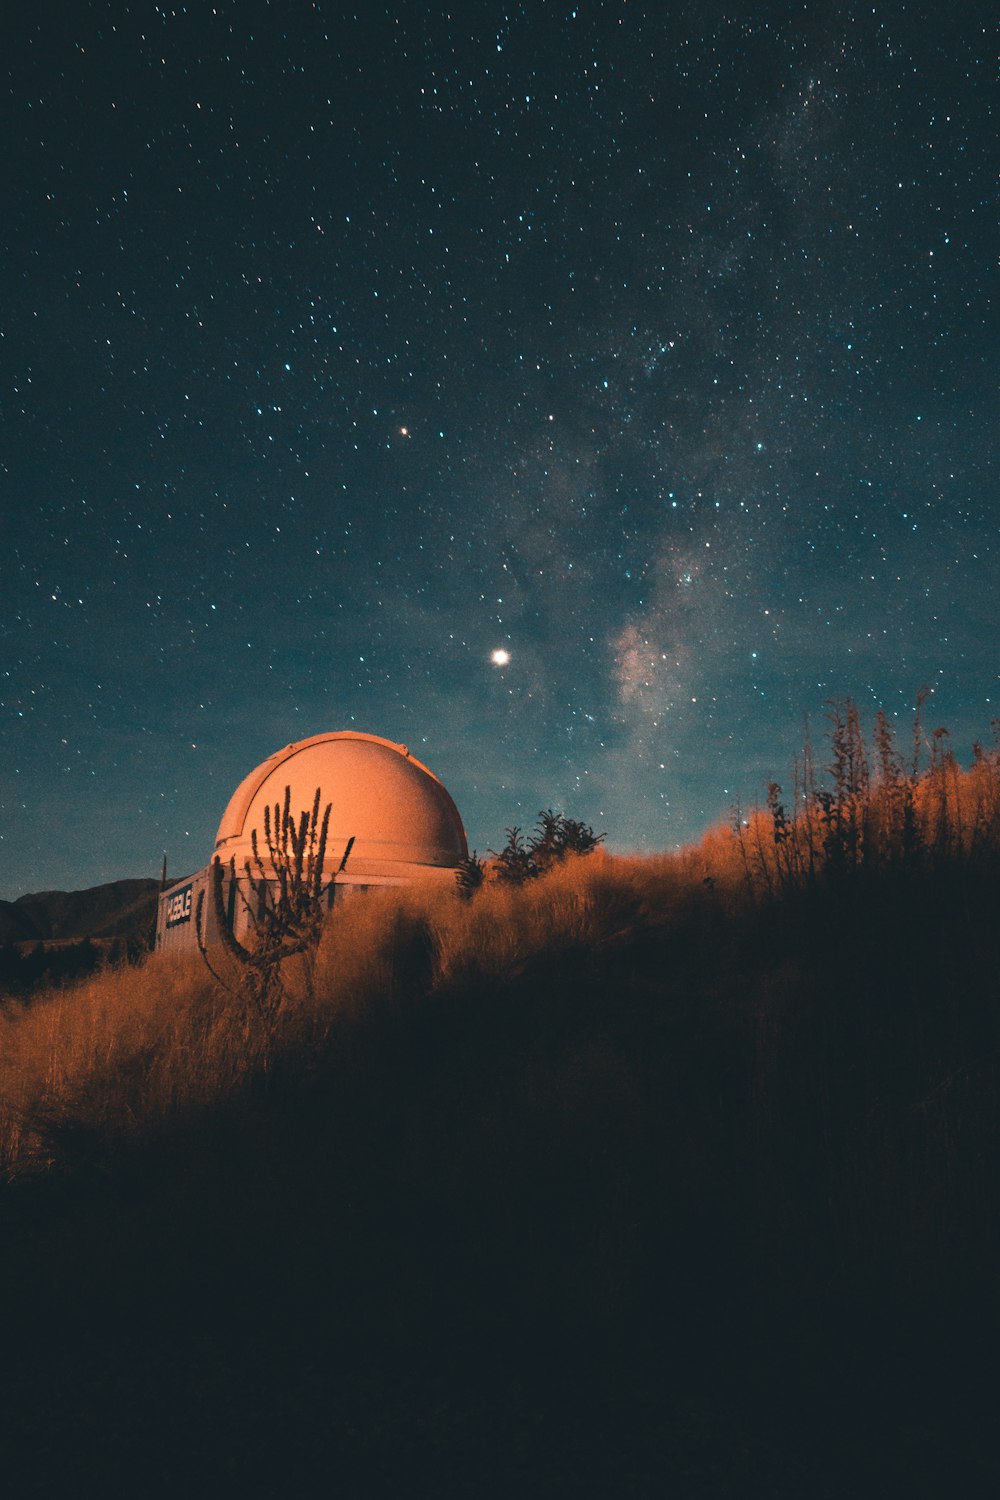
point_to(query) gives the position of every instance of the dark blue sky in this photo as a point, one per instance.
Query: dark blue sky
(652, 345)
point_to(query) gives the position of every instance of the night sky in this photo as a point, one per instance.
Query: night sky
(650, 344)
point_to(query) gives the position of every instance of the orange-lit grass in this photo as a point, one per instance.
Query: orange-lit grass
(653, 1105)
(766, 1036)
(119, 1056)
(640, 1108)
(948, 817)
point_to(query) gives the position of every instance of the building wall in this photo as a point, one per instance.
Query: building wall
(178, 906)
(175, 914)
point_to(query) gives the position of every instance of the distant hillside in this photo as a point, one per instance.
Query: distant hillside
(58, 937)
(123, 908)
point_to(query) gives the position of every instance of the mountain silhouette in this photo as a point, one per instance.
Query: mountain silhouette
(121, 909)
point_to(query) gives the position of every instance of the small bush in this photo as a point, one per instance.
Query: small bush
(555, 837)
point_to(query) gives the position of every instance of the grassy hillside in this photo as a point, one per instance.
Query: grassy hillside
(651, 1175)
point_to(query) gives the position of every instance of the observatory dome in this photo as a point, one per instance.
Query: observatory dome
(404, 824)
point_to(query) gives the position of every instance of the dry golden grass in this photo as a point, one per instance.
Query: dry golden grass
(120, 1055)
(706, 1110)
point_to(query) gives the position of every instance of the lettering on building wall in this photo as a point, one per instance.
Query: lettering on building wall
(179, 907)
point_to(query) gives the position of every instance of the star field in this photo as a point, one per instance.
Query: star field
(581, 394)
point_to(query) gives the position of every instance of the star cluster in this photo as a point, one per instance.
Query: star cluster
(578, 393)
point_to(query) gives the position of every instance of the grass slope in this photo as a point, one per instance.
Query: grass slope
(652, 1176)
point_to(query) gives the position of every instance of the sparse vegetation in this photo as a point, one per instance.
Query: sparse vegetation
(546, 1175)
(871, 812)
(555, 837)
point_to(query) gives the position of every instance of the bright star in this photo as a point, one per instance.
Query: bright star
(500, 658)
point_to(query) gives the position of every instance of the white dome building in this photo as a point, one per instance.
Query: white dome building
(405, 826)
